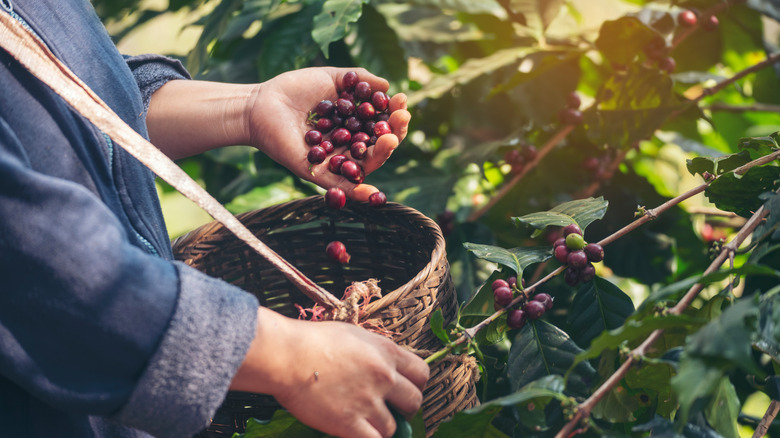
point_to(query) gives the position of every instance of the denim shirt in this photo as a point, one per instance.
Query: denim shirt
(101, 333)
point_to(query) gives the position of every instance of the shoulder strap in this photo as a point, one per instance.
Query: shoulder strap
(36, 57)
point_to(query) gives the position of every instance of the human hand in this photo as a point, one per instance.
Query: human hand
(276, 120)
(333, 376)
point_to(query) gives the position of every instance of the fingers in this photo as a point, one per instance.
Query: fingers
(413, 368)
(377, 83)
(380, 152)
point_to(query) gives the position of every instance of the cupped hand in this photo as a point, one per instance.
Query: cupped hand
(277, 122)
(333, 376)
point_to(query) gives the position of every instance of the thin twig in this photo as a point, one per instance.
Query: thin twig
(551, 143)
(761, 107)
(769, 417)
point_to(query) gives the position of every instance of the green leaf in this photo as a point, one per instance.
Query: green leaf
(331, 24)
(631, 107)
(477, 425)
(767, 338)
(516, 259)
(538, 13)
(215, 23)
(287, 44)
(718, 165)
(599, 305)
(437, 326)
(582, 212)
(620, 40)
(470, 70)
(551, 386)
(540, 349)
(377, 47)
(264, 196)
(740, 193)
(723, 410)
(696, 379)
(281, 425)
(635, 327)
(729, 337)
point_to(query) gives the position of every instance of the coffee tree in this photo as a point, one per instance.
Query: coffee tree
(606, 175)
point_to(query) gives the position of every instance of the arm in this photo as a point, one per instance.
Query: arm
(189, 117)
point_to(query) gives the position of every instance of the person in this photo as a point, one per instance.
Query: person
(102, 334)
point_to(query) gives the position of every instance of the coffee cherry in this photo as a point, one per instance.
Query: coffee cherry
(503, 296)
(573, 100)
(560, 242)
(324, 108)
(345, 107)
(368, 127)
(316, 155)
(530, 152)
(515, 319)
(561, 254)
(377, 199)
(577, 259)
(335, 198)
(352, 124)
(324, 125)
(687, 18)
(313, 137)
(349, 81)
(360, 136)
(710, 23)
(545, 299)
(337, 120)
(570, 116)
(341, 137)
(363, 91)
(335, 163)
(571, 276)
(588, 273)
(350, 170)
(499, 282)
(328, 146)
(572, 228)
(366, 111)
(381, 128)
(534, 309)
(358, 150)
(667, 64)
(575, 241)
(380, 100)
(512, 282)
(337, 251)
(595, 252)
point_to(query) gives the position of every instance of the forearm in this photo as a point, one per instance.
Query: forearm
(186, 118)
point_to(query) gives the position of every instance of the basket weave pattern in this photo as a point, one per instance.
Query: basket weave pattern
(395, 244)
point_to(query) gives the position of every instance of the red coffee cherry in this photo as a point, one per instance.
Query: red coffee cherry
(335, 198)
(503, 296)
(349, 81)
(534, 309)
(377, 199)
(338, 252)
(335, 163)
(313, 137)
(515, 319)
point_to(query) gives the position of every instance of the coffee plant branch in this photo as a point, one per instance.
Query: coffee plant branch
(584, 409)
(548, 146)
(766, 421)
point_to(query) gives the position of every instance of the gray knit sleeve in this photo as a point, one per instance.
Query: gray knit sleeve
(152, 72)
(188, 377)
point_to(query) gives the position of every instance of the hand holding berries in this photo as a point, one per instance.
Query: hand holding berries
(275, 124)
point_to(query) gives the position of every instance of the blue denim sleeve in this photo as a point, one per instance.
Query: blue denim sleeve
(152, 72)
(91, 324)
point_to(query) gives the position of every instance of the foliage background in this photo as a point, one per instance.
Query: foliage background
(483, 78)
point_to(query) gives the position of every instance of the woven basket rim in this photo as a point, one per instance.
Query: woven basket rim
(423, 222)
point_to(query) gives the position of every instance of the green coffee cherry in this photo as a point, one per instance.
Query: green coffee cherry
(575, 242)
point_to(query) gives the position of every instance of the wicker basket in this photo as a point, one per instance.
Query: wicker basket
(395, 244)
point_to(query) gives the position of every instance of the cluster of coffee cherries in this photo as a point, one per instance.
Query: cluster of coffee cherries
(519, 157)
(336, 199)
(571, 114)
(503, 294)
(578, 255)
(354, 121)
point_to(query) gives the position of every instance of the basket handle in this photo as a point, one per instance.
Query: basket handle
(36, 57)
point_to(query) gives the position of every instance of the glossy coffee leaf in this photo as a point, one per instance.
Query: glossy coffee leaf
(331, 24)
(599, 305)
(582, 212)
(540, 349)
(516, 259)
